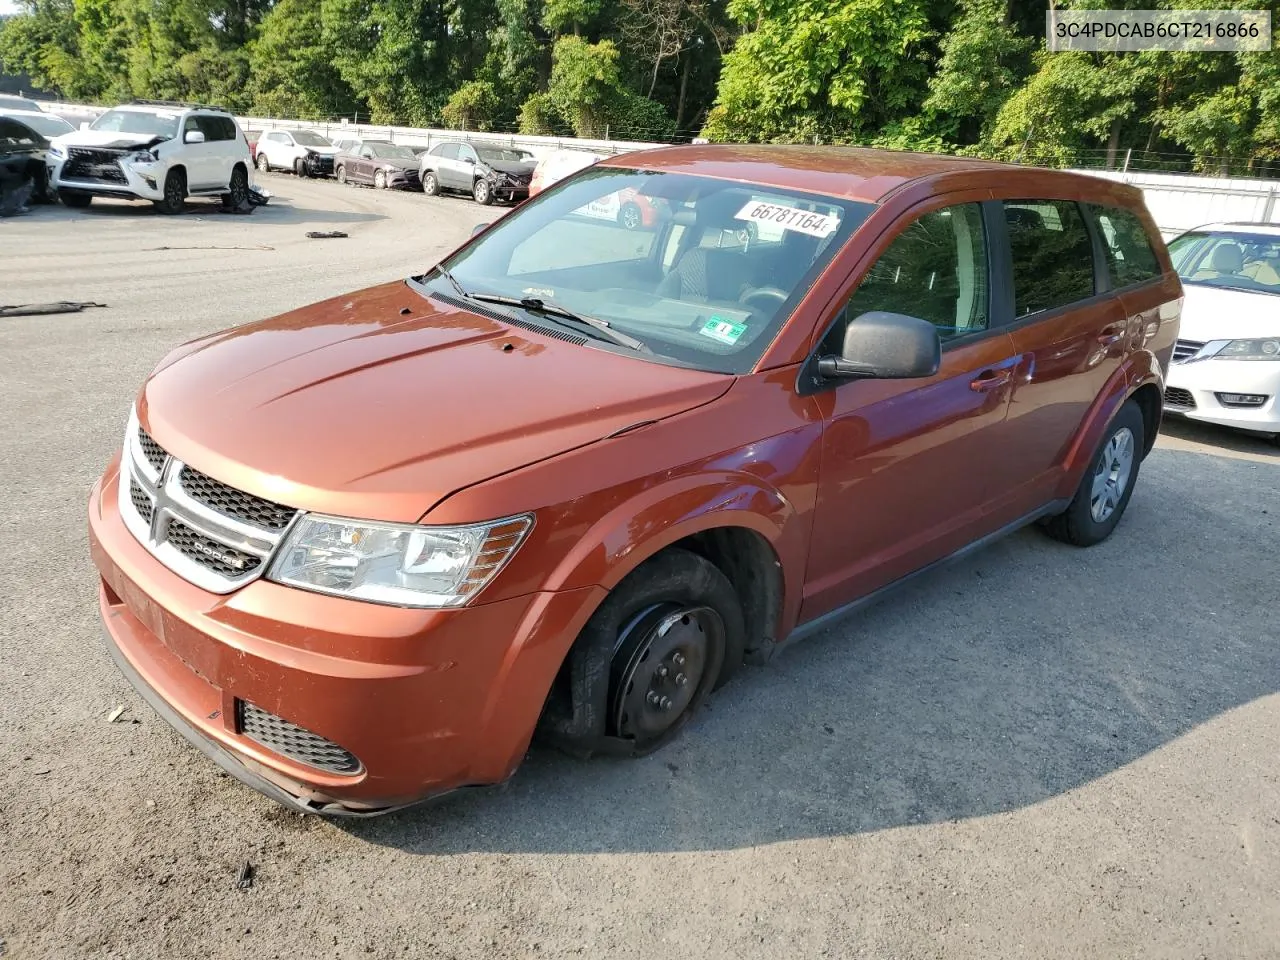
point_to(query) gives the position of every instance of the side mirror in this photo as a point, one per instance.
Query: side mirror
(886, 346)
(193, 136)
(470, 160)
(478, 229)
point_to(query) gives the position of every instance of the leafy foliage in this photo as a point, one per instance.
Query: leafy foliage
(966, 76)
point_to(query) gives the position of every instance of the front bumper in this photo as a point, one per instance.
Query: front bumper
(428, 701)
(404, 180)
(133, 182)
(1192, 391)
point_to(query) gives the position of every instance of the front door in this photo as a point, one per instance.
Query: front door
(908, 465)
(197, 158)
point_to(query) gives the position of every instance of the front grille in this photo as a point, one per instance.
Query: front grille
(1177, 397)
(292, 741)
(141, 502)
(151, 450)
(221, 559)
(88, 164)
(235, 503)
(1186, 349)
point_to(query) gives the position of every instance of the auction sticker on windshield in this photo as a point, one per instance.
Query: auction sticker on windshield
(790, 218)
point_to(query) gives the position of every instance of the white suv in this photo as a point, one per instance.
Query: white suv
(148, 150)
(303, 152)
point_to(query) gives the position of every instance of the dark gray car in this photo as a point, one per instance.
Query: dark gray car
(385, 165)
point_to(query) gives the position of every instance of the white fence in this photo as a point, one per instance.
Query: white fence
(1180, 201)
(1177, 201)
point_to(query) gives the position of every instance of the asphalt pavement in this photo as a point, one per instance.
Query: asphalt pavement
(1039, 752)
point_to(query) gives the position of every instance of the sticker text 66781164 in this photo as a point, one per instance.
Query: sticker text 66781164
(789, 218)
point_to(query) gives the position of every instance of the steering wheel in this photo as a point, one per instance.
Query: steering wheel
(765, 293)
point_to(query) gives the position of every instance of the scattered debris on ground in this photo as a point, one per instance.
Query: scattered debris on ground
(115, 715)
(16, 201)
(245, 879)
(40, 309)
(257, 246)
(326, 234)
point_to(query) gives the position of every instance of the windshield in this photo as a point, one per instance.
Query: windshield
(139, 122)
(309, 138)
(1235, 260)
(391, 151)
(47, 124)
(490, 154)
(703, 272)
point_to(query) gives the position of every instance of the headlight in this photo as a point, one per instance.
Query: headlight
(57, 152)
(142, 156)
(1268, 349)
(406, 565)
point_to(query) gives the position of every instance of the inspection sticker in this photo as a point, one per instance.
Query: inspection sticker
(789, 218)
(725, 331)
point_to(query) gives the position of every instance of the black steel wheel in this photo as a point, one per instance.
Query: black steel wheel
(175, 193)
(664, 638)
(666, 655)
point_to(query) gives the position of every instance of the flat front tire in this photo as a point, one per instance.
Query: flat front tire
(665, 637)
(1107, 484)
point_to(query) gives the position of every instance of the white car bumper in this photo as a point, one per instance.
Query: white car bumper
(1225, 392)
(100, 173)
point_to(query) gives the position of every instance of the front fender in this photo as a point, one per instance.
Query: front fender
(1139, 369)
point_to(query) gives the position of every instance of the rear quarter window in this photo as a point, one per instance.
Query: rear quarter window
(1126, 246)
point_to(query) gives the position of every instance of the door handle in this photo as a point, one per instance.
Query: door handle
(1110, 335)
(989, 380)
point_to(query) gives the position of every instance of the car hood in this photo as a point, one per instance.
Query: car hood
(512, 166)
(108, 138)
(1214, 313)
(381, 403)
(322, 151)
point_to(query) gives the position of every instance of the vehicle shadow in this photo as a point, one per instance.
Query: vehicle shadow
(278, 211)
(1025, 671)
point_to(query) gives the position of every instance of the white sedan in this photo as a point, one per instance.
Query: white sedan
(1226, 366)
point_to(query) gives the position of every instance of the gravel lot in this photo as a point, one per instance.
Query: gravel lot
(1041, 752)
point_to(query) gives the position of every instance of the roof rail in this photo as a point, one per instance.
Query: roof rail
(176, 103)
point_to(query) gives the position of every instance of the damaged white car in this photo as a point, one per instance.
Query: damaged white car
(148, 150)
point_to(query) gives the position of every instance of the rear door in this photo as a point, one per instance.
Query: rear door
(907, 464)
(448, 166)
(1069, 333)
(198, 158)
(220, 137)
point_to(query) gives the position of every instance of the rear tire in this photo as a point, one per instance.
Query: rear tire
(630, 216)
(76, 201)
(1107, 484)
(175, 193)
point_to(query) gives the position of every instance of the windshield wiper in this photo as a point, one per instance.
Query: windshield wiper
(596, 327)
(441, 269)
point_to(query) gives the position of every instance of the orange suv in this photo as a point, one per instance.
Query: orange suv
(573, 477)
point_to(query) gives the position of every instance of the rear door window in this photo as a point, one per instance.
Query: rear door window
(1126, 246)
(1052, 254)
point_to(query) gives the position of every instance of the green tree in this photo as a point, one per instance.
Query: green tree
(584, 79)
(837, 69)
(291, 66)
(473, 106)
(564, 16)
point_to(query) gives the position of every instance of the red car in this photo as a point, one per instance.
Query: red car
(575, 476)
